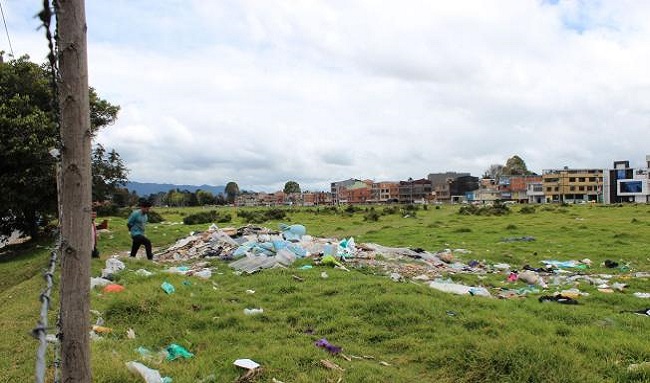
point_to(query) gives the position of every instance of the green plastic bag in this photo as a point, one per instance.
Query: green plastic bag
(175, 351)
(168, 287)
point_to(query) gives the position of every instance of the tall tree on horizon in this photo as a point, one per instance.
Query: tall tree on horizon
(232, 191)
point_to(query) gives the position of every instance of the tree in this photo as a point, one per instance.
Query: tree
(232, 191)
(515, 166)
(109, 173)
(291, 187)
(494, 171)
(28, 139)
(204, 197)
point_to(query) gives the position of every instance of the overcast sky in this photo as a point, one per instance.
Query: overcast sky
(263, 92)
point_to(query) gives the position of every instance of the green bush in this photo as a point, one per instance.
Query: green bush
(105, 210)
(153, 217)
(261, 216)
(388, 210)
(206, 217)
(371, 216)
(497, 208)
(528, 210)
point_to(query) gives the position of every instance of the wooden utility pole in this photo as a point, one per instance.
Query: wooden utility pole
(75, 192)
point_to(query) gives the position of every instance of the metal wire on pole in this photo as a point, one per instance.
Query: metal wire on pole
(40, 331)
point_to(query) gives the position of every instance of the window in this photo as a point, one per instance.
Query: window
(572, 179)
(581, 188)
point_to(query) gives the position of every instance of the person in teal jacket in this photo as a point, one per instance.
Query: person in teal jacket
(137, 220)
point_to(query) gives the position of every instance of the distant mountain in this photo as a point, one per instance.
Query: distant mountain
(145, 188)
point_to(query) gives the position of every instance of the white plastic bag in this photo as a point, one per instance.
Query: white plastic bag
(149, 375)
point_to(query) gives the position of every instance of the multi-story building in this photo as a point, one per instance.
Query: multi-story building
(415, 191)
(572, 185)
(441, 184)
(488, 191)
(535, 192)
(515, 188)
(316, 198)
(337, 187)
(625, 184)
(354, 192)
(461, 188)
(383, 192)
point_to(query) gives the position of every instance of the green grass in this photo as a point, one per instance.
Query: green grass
(421, 334)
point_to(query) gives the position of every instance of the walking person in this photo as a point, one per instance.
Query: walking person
(136, 223)
(94, 252)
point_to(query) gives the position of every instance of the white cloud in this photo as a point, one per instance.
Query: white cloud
(319, 91)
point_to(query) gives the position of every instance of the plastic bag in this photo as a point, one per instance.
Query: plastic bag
(292, 232)
(149, 375)
(167, 287)
(113, 288)
(175, 351)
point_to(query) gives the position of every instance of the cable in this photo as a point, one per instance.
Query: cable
(6, 30)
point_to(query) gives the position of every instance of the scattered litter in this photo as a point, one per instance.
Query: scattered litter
(559, 298)
(454, 288)
(149, 375)
(254, 311)
(113, 288)
(573, 293)
(342, 355)
(94, 336)
(518, 239)
(324, 275)
(143, 272)
(331, 365)
(175, 351)
(94, 282)
(246, 363)
(292, 232)
(102, 329)
(205, 274)
(297, 278)
(150, 356)
(250, 291)
(113, 266)
(130, 333)
(645, 312)
(642, 295)
(329, 260)
(610, 264)
(332, 349)
(384, 363)
(168, 287)
(634, 367)
(396, 277)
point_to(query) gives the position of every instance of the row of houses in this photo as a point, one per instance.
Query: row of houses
(619, 184)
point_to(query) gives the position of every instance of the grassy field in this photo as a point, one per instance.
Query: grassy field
(390, 331)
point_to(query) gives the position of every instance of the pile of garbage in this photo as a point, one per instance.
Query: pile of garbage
(251, 249)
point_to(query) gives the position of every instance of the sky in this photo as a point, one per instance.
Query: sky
(265, 92)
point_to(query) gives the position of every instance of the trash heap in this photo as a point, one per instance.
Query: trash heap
(252, 248)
